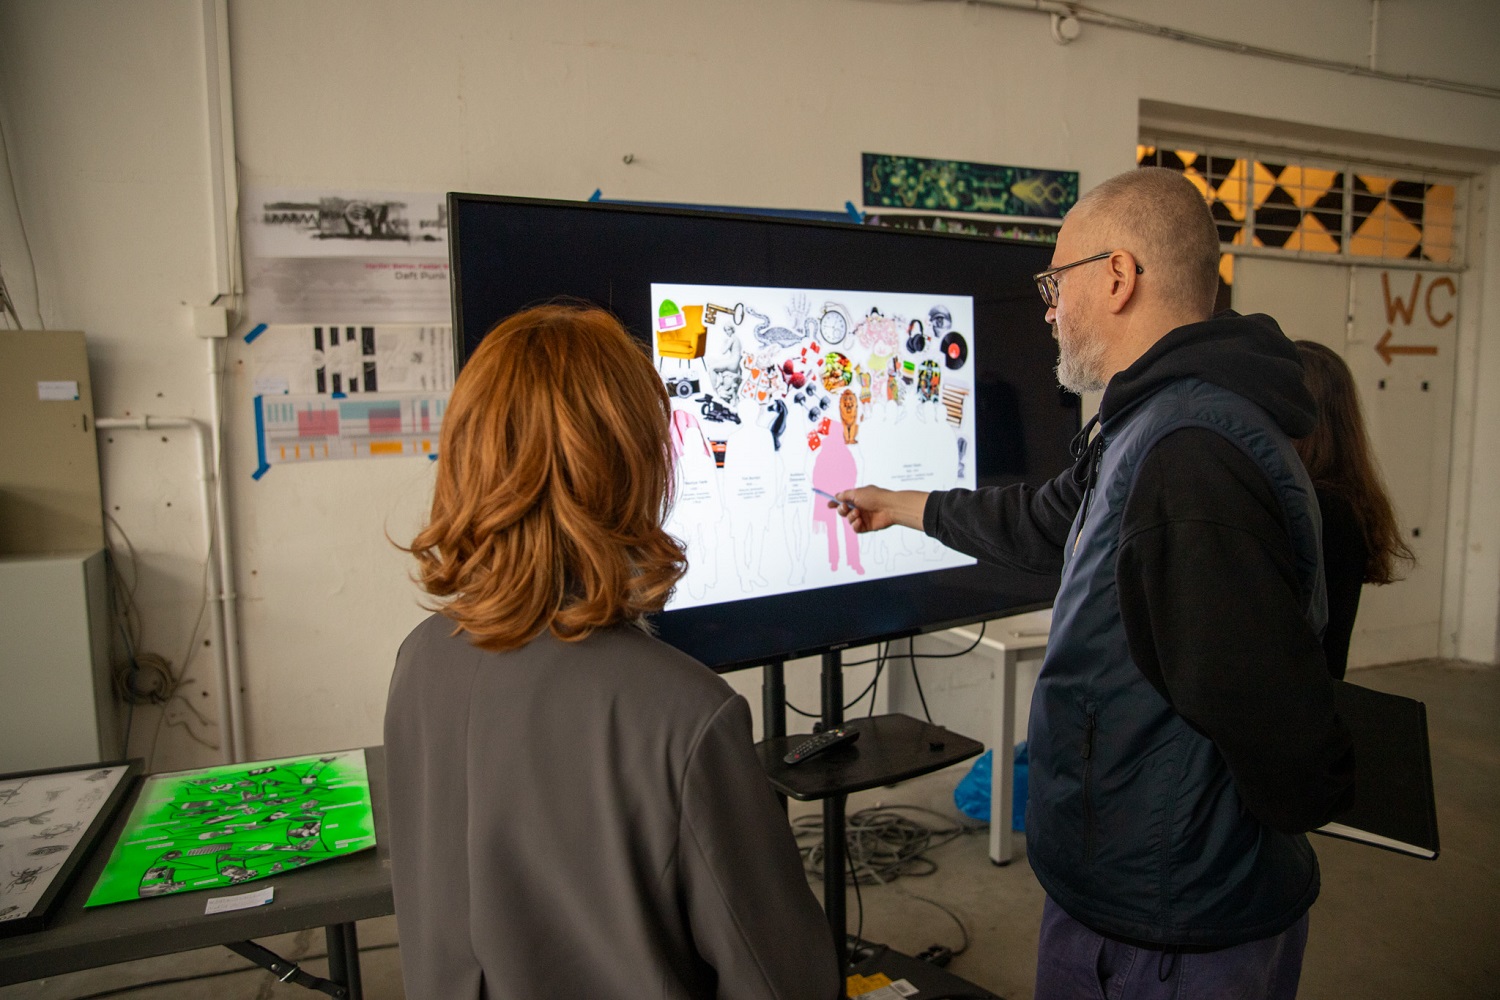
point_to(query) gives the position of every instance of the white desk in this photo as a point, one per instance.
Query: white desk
(1023, 637)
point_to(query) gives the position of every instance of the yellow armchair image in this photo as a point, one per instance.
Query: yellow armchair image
(688, 341)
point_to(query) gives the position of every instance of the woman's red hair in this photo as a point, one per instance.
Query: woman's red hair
(554, 475)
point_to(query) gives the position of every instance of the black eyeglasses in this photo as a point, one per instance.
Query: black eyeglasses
(1046, 281)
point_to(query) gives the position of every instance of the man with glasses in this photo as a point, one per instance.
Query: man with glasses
(1182, 735)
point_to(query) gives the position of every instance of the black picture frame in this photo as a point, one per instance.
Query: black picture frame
(46, 904)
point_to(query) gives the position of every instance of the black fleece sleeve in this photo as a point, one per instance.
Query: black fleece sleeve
(1209, 596)
(1020, 526)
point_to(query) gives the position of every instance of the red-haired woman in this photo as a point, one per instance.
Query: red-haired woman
(576, 807)
(1361, 541)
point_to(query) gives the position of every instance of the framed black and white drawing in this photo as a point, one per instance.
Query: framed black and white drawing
(50, 820)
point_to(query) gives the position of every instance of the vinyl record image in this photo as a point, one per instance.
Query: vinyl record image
(955, 350)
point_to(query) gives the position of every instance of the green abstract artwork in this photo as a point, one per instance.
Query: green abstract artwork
(912, 182)
(216, 827)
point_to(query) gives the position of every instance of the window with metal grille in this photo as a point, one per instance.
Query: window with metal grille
(1275, 204)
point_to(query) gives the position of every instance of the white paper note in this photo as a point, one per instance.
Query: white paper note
(51, 391)
(244, 901)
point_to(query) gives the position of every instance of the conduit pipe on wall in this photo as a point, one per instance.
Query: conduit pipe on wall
(229, 284)
(1107, 19)
(219, 608)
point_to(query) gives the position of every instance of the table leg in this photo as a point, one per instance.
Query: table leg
(343, 958)
(1003, 765)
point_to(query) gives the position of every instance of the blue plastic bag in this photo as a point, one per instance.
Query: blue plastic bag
(972, 795)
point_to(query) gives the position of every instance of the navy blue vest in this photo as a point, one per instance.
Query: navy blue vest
(1133, 824)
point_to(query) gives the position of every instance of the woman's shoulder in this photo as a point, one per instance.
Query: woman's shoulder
(631, 651)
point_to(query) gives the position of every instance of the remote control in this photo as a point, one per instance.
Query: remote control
(826, 740)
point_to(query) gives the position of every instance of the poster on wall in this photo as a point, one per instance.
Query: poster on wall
(327, 358)
(781, 398)
(331, 391)
(916, 183)
(361, 256)
(295, 428)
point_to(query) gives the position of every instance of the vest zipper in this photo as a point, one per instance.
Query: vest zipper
(1088, 797)
(1090, 486)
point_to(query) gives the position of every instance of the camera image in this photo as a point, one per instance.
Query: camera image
(682, 387)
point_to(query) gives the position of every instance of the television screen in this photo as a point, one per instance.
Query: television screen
(801, 359)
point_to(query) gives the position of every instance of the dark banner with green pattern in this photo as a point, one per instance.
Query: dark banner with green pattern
(912, 182)
(1030, 232)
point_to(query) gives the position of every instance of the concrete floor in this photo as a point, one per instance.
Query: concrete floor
(1385, 926)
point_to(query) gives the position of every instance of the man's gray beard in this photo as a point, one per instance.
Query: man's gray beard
(1081, 369)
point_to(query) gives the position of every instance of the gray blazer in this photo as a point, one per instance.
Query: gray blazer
(588, 820)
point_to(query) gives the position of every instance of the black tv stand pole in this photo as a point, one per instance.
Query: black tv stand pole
(833, 816)
(773, 705)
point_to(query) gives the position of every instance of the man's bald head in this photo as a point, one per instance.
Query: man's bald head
(1158, 216)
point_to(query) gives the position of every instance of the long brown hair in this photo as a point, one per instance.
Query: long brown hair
(553, 478)
(1338, 459)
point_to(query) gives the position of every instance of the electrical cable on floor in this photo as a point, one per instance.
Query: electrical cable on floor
(883, 845)
(122, 990)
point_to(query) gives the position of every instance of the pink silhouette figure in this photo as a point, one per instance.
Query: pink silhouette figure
(834, 470)
(685, 424)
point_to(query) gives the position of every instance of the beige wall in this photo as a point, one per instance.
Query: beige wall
(758, 103)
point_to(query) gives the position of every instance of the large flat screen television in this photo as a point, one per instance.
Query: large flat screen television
(802, 358)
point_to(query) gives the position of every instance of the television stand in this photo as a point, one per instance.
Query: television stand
(890, 748)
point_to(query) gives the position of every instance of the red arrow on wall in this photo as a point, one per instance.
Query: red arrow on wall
(1387, 351)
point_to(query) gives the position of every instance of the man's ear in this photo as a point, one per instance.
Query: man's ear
(1122, 272)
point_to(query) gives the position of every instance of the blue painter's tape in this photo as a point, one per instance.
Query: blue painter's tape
(433, 456)
(260, 437)
(598, 195)
(855, 214)
(260, 328)
(340, 395)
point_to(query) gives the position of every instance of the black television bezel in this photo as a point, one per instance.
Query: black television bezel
(662, 623)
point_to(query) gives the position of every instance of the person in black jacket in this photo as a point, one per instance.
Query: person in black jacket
(1182, 736)
(1361, 541)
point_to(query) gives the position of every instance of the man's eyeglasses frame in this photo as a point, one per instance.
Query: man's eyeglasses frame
(1046, 281)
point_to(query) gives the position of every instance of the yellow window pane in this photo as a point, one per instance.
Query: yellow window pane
(1239, 240)
(1262, 184)
(1313, 236)
(1226, 268)
(1234, 190)
(1376, 185)
(1386, 233)
(1438, 223)
(1307, 184)
(1201, 183)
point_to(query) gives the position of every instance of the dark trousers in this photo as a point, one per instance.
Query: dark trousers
(1074, 963)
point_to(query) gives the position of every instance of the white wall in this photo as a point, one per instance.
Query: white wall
(755, 103)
